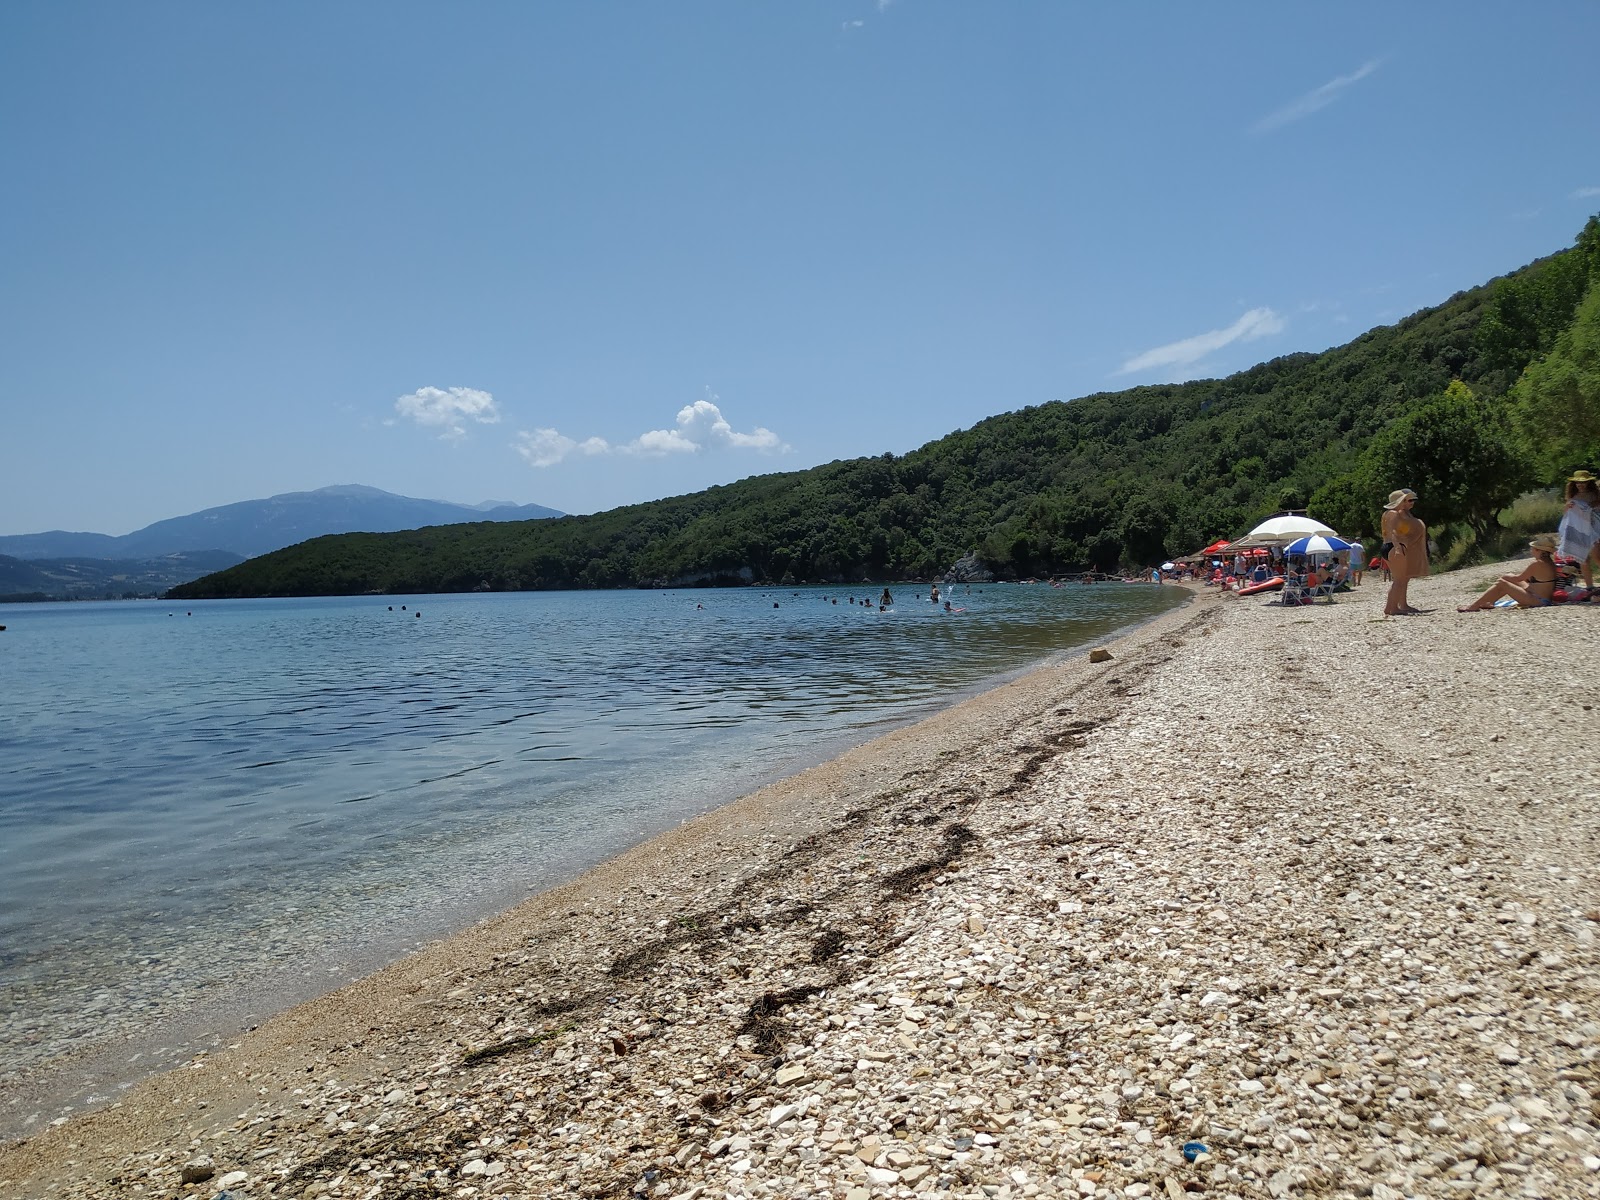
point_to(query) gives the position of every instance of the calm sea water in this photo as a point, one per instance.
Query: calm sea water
(211, 810)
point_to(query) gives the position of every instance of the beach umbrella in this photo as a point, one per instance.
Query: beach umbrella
(1328, 543)
(1219, 544)
(1166, 566)
(1285, 528)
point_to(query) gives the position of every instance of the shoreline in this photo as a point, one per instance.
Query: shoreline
(1026, 946)
(100, 1068)
(86, 1081)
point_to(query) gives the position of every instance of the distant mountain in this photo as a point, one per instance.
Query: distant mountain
(99, 578)
(254, 527)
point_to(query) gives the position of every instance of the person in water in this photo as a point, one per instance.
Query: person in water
(886, 599)
(1407, 539)
(1532, 587)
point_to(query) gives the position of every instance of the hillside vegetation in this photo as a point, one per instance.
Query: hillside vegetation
(1470, 403)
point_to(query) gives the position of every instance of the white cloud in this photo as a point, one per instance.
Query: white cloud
(1586, 193)
(703, 424)
(448, 409)
(699, 426)
(852, 24)
(657, 443)
(546, 447)
(1314, 100)
(1257, 323)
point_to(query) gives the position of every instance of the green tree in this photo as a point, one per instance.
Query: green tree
(1457, 452)
(1348, 502)
(1556, 403)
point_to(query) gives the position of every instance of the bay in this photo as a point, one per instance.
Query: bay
(212, 811)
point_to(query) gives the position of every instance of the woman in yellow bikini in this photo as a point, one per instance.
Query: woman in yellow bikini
(1407, 538)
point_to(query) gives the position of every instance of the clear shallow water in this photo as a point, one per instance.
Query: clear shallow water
(266, 797)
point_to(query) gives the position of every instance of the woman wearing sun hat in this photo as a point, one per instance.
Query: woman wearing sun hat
(1406, 550)
(1580, 525)
(1533, 587)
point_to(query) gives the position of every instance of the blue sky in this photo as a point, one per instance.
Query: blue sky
(587, 254)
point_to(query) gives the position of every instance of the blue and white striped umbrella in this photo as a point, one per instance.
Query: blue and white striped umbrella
(1319, 544)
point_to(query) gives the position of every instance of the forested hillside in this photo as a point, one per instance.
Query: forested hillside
(1469, 403)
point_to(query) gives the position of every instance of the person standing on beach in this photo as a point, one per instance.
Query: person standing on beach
(1358, 562)
(1580, 525)
(1407, 539)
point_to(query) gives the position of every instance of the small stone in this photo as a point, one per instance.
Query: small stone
(474, 1168)
(788, 1075)
(1507, 1054)
(198, 1170)
(912, 1176)
(974, 924)
(1099, 656)
(881, 1176)
(233, 1179)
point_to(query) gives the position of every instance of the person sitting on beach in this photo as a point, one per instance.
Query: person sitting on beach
(1532, 587)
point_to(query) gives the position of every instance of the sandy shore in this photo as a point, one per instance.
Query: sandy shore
(1314, 889)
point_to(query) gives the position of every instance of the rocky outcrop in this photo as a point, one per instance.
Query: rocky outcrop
(969, 569)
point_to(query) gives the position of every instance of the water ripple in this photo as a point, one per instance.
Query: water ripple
(273, 785)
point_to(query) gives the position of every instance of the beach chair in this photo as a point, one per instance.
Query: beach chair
(1294, 588)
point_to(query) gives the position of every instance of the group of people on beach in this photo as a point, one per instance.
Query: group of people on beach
(1575, 544)
(1574, 547)
(1550, 576)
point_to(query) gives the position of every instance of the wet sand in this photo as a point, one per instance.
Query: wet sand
(1313, 888)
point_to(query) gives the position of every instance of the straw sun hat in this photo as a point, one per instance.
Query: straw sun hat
(1543, 541)
(1581, 477)
(1398, 495)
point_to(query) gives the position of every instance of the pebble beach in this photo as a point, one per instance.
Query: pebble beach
(1274, 902)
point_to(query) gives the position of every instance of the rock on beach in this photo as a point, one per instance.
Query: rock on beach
(1312, 889)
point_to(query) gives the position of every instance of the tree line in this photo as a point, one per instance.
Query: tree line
(1469, 403)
